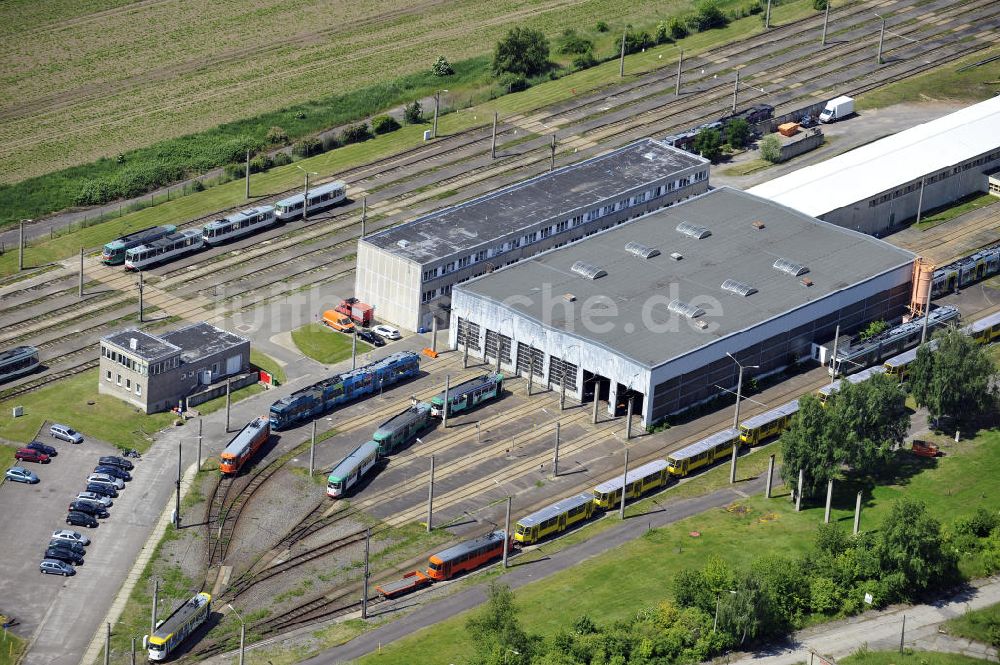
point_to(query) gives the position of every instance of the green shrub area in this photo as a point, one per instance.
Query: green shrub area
(980, 625)
(908, 657)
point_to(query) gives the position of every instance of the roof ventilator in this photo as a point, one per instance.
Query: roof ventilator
(738, 287)
(693, 230)
(641, 250)
(685, 309)
(790, 267)
(676, 256)
(758, 225)
(588, 270)
(701, 324)
(806, 281)
(569, 297)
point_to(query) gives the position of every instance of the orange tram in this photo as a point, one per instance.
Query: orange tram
(244, 445)
(451, 562)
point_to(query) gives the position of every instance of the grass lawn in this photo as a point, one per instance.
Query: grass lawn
(909, 657)
(748, 167)
(981, 625)
(943, 83)
(74, 401)
(11, 647)
(946, 213)
(269, 365)
(637, 574)
(325, 345)
(213, 405)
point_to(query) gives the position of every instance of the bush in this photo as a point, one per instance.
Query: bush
(756, 7)
(197, 186)
(442, 67)
(356, 133)
(307, 147)
(283, 158)
(234, 171)
(571, 43)
(413, 113)
(513, 82)
(522, 51)
(662, 34)
(261, 163)
(677, 28)
(584, 61)
(708, 144)
(601, 26)
(770, 149)
(709, 16)
(384, 124)
(331, 142)
(738, 132)
(634, 42)
(979, 524)
(819, 5)
(276, 136)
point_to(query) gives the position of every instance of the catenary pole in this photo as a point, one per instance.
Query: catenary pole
(248, 174)
(81, 272)
(621, 63)
(767, 16)
(305, 199)
(312, 450)
(736, 425)
(354, 350)
(927, 314)
(444, 407)
(829, 500)
(434, 334)
(364, 214)
(597, 400)
(177, 501)
(770, 477)
(20, 245)
(621, 513)
(798, 493)
(857, 514)
(677, 86)
(200, 426)
(506, 533)
(826, 21)
(881, 38)
(555, 458)
(107, 644)
(430, 497)
(140, 296)
(493, 142)
(552, 154)
(736, 89)
(628, 420)
(364, 591)
(156, 599)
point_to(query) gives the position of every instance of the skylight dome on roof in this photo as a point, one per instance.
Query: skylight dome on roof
(790, 267)
(685, 309)
(738, 287)
(588, 270)
(641, 250)
(693, 230)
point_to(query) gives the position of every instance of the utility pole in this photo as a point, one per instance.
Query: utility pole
(20, 245)
(354, 350)
(770, 477)
(364, 592)
(430, 496)
(531, 369)
(312, 450)
(200, 425)
(767, 16)
(248, 175)
(833, 358)
(621, 513)
(243, 637)
(552, 154)
(881, 38)
(81, 269)
(927, 315)
(562, 387)
(156, 599)
(305, 200)
(444, 407)
(798, 493)
(902, 634)
(506, 534)
(920, 200)
(437, 105)
(621, 63)
(140, 296)
(826, 20)
(736, 89)
(107, 644)
(493, 143)
(364, 214)
(628, 420)
(597, 396)
(465, 351)
(177, 502)
(434, 334)
(736, 416)
(229, 401)
(857, 514)
(677, 86)
(555, 458)
(132, 653)
(829, 500)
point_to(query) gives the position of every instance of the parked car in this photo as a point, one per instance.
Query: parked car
(371, 338)
(65, 433)
(114, 472)
(31, 455)
(386, 331)
(94, 496)
(118, 483)
(69, 545)
(56, 567)
(21, 475)
(95, 503)
(103, 489)
(69, 534)
(88, 507)
(81, 519)
(112, 460)
(63, 554)
(42, 448)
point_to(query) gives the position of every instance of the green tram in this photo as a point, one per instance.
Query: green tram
(401, 429)
(468, 395)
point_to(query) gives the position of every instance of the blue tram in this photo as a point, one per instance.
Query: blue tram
(315, 400)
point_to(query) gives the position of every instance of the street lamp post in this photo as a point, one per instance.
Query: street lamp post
(718, 597)
(736, 415)
(437, 106)
(305, 193)
(243, 631)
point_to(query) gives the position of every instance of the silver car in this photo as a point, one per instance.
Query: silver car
(65, 433)
(21, 475)
(56, 567)
(94, 497)
(105, 479)
(69, 534)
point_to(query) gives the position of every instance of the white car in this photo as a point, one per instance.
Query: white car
(105, 479)
(69, 534)
(386, 331)
(94, 497)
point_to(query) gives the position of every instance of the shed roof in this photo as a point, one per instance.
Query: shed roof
(864, 172)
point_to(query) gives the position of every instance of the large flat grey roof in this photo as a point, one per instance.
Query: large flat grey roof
(148, 347)
(639, 289)
(202, 339)
(525, 204)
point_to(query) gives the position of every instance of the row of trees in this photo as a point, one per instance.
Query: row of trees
(719, 607)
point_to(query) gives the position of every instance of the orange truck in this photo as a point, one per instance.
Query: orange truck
(357, 311)
(338, 321)
(925, 449)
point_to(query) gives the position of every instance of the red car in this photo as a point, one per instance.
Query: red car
(31, 455)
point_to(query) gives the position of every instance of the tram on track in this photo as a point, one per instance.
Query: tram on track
(352, 469)
(554, 519)
(113, 253)
(468, 555)
(170, 633)
(320, 198)
(238, 224)
(244, 445)
(165, 249)
(17, 362)
(468, 395)
(891, 342)
(966, 270)
(318, 398)
(400, 430)
(638, 481)
(704, 453)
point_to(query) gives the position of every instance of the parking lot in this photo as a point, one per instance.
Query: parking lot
(28, 516)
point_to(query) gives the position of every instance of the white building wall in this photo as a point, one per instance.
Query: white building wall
(389, 283)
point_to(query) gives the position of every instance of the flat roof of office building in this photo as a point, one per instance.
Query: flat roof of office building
(148, 347)
(202, 339)
(742, 238)
(525, 204)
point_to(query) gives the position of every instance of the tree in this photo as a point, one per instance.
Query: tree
(874, 329)
(784, 592)
(384, 124)
(662, 33)
(871, 420)
(496, 628)
(442, 67)
(709, 16)
(413, 113)
(708, 144)
(955, 379)
(738, 132)
(770, 148)
(808, 445)
(909, 547)
(571, 43)
(677, 28)
(523, 51)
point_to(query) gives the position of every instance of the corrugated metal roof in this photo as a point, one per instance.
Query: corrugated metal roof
(885, 164)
